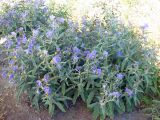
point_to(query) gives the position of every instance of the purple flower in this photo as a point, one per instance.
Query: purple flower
(24, 15)
(11, 62)
(56, 59)
(91, 55)
(33, 41)
(99, 72)
(58, 49)
(15, 68)
(30, 46)
(76, 50)
(145, 26)
(4, 74)
(14, 54)
(29, 50)
(78, 68)
(39, 83)
(105, 53)
(115, 94)
(94, 69)
(120, 76)
(86, 52)
(129, 91)
(119, 54)
(84, 20)
(60, 20)
(52, 17)
(18, 42)
(49, 34)
(46, 78)
(11, 77)
(8, 44)
(75, 58)
(35, 33)
(13, 34)
(24, 40)
(47, 90)
(70, 23)
(20, 29)
(45, 9)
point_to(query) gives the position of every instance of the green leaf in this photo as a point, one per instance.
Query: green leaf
(20, 90)
(110, 109)
(121, 107)
(96, 112)
(103, 112)
(63, 88)
(60, 106)
(128, 105)
(35, 101)
(76, 95)
(64, 98)
(90, 97)
(51, 109)
(91, 106)
(88, 85)
(124, 64)
(82, 96)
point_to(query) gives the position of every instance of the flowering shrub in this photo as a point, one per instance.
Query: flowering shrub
(56, 61)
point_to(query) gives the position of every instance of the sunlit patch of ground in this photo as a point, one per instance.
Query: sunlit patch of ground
(135, 12)
(144, 11)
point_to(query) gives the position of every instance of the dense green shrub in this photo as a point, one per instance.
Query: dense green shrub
(55, 60)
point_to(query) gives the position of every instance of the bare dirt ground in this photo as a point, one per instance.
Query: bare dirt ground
(79, 112)
(10, 110)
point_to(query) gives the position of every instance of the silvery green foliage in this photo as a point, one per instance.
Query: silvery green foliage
(56, 61)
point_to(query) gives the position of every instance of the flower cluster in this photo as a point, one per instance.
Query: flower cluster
(91, 55)
(43, 85)
(120, 76)
(97, 71)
